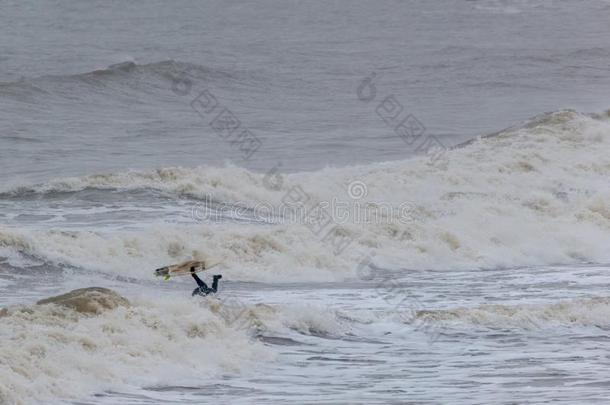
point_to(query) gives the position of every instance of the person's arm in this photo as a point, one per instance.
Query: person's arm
(197, 279)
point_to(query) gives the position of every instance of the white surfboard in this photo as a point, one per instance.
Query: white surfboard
(184, 269)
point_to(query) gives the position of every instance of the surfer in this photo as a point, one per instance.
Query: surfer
(203, 288)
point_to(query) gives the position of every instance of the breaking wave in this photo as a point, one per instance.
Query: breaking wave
(75, 351)
(534, 194)
(98, 341)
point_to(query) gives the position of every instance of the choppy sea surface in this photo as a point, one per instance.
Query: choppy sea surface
(409, 200)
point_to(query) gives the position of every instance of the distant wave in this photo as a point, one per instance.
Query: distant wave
(126, 73)
(130, 67)
(22, 139)
(162, 68)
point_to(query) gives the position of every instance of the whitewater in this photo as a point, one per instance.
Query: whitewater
(531, 195)
(523, 212)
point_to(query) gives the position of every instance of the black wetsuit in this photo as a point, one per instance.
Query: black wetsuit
(203, 288)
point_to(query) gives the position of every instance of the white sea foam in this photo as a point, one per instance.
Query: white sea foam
(50, 351)
(583, 312)
(533, 195)
(180, 341)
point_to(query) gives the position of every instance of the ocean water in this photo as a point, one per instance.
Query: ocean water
(409, 201)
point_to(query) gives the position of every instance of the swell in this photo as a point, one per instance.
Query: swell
(128, 68)
(565, 125)
(120, 79)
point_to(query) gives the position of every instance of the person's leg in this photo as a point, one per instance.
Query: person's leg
(215, 282)
(199, 282)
